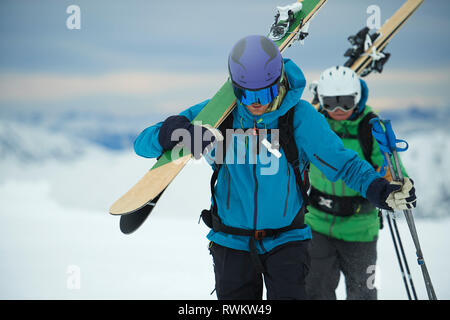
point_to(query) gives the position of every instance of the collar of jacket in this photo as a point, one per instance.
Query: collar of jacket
(351, 125)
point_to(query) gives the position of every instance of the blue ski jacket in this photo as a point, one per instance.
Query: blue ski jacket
(258, 191)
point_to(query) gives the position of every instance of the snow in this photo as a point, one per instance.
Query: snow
(56, 233)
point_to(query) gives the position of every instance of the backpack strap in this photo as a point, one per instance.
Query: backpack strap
(365, 137)
(221, 150)
(289, 146)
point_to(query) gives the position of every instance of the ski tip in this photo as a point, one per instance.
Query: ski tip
(120, 208)
(116, 209)
(131, 222)
(114, 213)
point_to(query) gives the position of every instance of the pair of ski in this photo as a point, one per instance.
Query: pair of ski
(291, 24)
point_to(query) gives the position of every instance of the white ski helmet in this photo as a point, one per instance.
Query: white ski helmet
(338, 81)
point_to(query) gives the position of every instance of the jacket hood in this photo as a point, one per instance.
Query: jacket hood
(364, 97)
(297, 83)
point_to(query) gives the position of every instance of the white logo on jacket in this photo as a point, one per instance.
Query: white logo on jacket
(325, 202)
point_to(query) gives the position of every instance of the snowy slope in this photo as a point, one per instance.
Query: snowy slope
(57, 183)
(42, 237)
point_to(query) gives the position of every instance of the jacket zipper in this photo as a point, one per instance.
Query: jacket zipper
(332, 224)
(287, 196)
(326, 214)
(255, 155)
(324, 162)
(228, 177)
(255, 199)
(334, 217)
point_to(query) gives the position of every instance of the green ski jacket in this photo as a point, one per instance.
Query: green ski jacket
(359, 226)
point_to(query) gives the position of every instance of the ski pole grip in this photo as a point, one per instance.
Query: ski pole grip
(390, 135)
(380, 135)
(392, 139)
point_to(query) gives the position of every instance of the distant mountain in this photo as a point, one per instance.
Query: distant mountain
(34, 132)
(415, 119)
(36, 137)
(24, 142)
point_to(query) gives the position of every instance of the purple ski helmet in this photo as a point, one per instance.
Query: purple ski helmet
(255, 63)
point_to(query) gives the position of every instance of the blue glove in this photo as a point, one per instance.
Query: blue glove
(393, 195)
(168, 140)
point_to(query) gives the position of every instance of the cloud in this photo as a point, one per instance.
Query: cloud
(401, 88)
(401, 76)
(51, 87)
(421, 77)
(384, 103)
(164, 92)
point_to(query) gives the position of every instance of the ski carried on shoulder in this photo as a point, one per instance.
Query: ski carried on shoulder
(291, 24)
(367, 52)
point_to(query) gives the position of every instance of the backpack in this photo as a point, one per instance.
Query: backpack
(351, 204)
(364, 137)
(289, 146)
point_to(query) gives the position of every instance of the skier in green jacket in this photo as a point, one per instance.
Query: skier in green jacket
(344, 224)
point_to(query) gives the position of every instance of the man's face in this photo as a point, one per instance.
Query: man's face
(339, 114)
(257, 109)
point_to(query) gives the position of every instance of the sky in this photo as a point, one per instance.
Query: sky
(160, 57)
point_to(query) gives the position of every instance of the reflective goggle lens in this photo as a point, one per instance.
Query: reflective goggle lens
(345, 103)
(262, 96)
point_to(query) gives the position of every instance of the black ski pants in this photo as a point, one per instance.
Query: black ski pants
(330, 257)
(285, 268)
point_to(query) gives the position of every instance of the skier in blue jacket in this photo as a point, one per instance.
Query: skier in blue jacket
(258, 204)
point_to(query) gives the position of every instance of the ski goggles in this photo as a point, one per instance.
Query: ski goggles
(262, 96)
(345, 103)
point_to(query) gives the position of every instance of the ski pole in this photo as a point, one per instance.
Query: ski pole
(408, 272)
(388, 145)
(382, 141)
(397, 233)
(394, 175)
(408, 213)
(398, 255)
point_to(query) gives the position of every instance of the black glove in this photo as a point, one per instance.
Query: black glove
(197, 145)
(393, 195)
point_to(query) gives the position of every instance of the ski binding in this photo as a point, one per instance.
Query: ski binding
(361, 43)
(283, 20)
